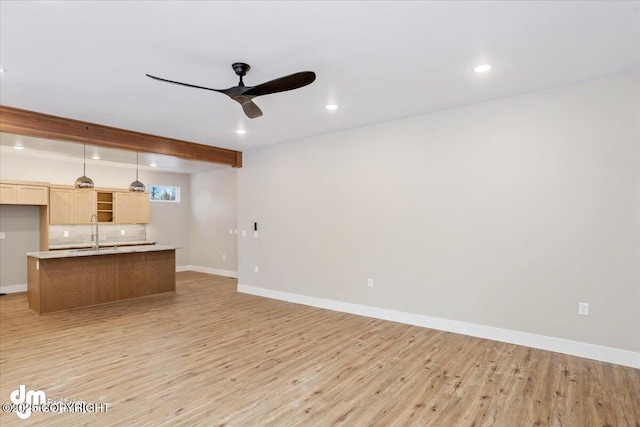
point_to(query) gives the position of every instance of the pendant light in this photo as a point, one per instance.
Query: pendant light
(136, 185)
(84, 181)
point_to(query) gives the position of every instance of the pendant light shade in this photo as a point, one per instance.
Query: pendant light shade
(136, 185)
(84, 181)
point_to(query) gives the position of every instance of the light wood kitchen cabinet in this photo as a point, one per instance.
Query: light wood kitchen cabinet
(32, 195)
(8, 194)
(71, 206)
(84, 206)
(141, 208)
(61, 205)
(131, 208)
(123, 208)
(21, 194)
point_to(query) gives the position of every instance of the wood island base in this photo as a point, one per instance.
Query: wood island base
(58, 284)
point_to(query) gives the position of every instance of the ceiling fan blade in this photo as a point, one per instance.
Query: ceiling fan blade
(187, 84)
(244, 94)
(290, 82)
(251, 109)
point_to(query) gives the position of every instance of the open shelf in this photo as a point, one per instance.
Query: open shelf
(105, 206)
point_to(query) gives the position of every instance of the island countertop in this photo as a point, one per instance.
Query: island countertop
(103, 251)
(106, 244)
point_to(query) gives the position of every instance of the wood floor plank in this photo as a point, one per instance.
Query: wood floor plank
(208, 356)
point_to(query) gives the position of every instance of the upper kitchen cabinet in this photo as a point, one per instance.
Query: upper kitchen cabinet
(13, 193)
(61, 205)
(141, 208)
(71, 206)
(8, 194)
(131, 208)
(84, 206)
(123, 208)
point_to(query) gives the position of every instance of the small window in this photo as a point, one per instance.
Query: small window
(164, 193)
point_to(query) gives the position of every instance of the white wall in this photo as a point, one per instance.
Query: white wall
(213, 214)
(505, 214)
(169, 221)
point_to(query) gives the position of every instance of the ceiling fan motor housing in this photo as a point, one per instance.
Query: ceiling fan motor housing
(241, 68)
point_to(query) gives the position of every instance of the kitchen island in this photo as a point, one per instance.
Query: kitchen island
(65, 280)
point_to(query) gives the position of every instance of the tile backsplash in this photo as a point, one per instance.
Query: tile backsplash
(109, 233)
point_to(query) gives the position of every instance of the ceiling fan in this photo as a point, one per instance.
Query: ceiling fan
(245, 94)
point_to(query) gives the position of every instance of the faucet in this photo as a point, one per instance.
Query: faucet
(95, 237)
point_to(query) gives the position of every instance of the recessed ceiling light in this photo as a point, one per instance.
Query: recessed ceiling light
(241, 131)
(331, 107)
(18, 147)
(95, 157)
(482, 68)
(153, 165)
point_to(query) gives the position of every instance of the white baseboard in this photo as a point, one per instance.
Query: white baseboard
(208, 270)
(559, 345)
(12, 289)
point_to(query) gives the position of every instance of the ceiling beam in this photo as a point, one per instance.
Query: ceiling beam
(31, 123)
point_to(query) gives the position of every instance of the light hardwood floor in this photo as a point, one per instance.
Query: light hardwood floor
(208, 355)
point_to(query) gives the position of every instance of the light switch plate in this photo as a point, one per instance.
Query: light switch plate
(2, 235)
(583, 308)
(65, 233)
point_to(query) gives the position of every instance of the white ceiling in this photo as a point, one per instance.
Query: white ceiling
(378, 61)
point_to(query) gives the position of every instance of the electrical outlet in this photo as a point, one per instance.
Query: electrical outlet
(244, 233)
(2, 235)
(65, 233)
(231, 231)
(255, 234)
(370, 283)
(583, 308)
(122, 232)
(256, 269)
(224, 256)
